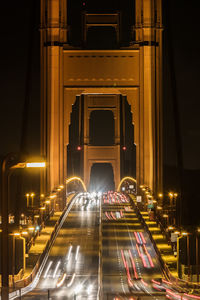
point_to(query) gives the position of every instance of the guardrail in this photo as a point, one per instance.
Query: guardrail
(177, 281)
(25, 285)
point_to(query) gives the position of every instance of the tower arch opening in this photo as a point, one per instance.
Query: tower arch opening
(101, 177)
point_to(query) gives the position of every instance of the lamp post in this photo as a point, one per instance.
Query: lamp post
(42, 209)
(160, 199)
(27, 200)
(32, 199)
(9, 163)
(13, 257)
(42, 196)
(166, 218)
(188, 252)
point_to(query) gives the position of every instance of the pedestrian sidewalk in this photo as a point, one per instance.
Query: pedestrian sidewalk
(40, 243)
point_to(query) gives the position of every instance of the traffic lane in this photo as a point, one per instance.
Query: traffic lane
(124, 241)
(80, 228)
(145, 248)
(85, 237)
(114, 279)
(115, 238)
(114, 272)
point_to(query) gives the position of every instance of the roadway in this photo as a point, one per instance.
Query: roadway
(102, 243)
(71, 271)
(129, 261)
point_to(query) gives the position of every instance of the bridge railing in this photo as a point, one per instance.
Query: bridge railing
(180, 283)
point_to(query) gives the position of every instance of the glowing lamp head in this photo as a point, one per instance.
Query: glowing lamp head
(31, 228)
(16, 234)
(36, 165)
(177, 232)
(170, 227)
(124, 148)
(24, 232)
(184, 233)
(78, 148)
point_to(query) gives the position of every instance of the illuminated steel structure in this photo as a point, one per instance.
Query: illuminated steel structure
(134, 72)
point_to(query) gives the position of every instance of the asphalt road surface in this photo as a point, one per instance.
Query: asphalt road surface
(103, 252)
(71, 271)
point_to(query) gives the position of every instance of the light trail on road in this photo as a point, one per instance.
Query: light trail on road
(102, 236)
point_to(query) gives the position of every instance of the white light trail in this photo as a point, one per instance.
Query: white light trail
(47, 270)
(56, 269)
(77, 252)
(69, 252)
(61, 281)
(71, 281)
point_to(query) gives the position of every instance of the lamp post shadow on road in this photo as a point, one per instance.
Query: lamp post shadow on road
(9, 164)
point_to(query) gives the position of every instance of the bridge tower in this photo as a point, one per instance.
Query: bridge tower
(133, 71)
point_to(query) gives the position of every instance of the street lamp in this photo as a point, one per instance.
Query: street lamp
(15, 234)
(165, 216)
(42, 196)
(27, 199)
(32, 197)
(9, 163)
(42, 209)
(186, 234)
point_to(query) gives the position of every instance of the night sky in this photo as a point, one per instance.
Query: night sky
(183, 19)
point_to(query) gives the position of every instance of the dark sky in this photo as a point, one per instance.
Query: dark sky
(183, 17)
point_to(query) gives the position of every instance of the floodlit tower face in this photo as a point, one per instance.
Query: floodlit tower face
(133, 70)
